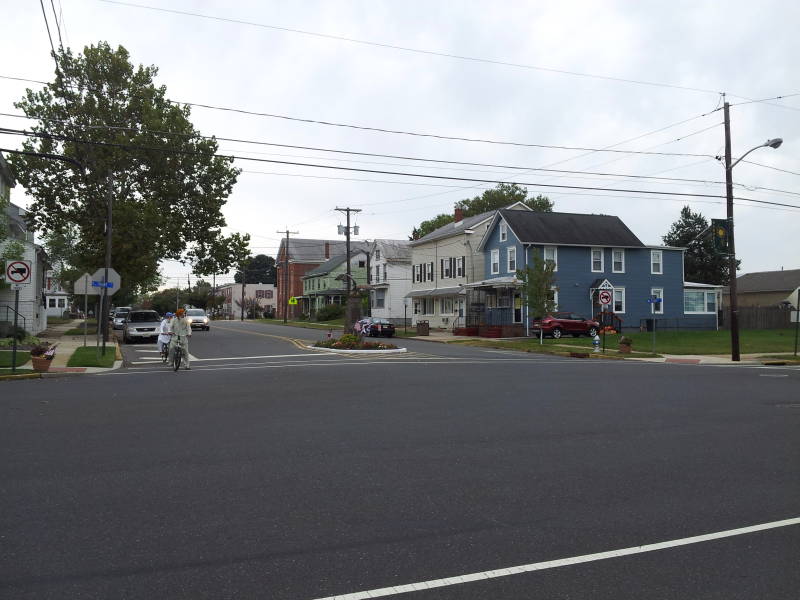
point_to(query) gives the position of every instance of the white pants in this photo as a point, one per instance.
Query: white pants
(184, 341)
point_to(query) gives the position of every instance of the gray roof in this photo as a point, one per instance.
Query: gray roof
(769, 281)
(457, 228)
(16, 220)
(569, 229)
(311, 251)
(330, 265)
(395, 249)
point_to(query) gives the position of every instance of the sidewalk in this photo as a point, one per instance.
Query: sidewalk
(68, 344)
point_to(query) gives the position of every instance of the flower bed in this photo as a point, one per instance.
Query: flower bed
(353, 342)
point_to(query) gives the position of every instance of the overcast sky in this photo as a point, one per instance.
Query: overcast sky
(747, 49)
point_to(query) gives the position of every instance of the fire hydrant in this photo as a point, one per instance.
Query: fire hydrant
(596, 343)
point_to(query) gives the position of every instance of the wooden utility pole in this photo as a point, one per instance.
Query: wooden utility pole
(286, 274)
(734, 301)
(348, 313)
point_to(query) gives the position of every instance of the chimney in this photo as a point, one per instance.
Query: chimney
(459, 215)
(327, 249)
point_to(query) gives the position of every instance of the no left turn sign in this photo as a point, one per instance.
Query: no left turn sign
(18, 271)
(604, 297)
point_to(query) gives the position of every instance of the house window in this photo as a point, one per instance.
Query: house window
(416, 307)
(268, 294)
(495, 261)
(445, 265)
(62, 303)
(511, 261)
(362, 264)
(417, 276)
(460, 266)
(551, 255)
(618, 260)
(427, 306)
(447, 306)
(597, 260)
(699, 302)
(657, 308)
(380, 298)
(377, 274)
(51, 303)
(656, 266)
(554, 297)
(430, 271)
(619, 300)
(384, 272)
(503, 232)
(377, 254)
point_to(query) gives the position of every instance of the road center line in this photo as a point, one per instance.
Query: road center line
(561, 562)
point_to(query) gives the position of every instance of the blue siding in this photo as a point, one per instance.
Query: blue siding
(494, 242)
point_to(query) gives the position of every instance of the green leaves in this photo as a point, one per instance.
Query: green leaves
(538, 282)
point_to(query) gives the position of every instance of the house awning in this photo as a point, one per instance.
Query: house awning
(496, 282)
(448, 291)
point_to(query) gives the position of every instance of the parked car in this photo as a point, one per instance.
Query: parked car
(118, 316)
(561, 323)
(373, 327)
(140, 324)
(198, 318)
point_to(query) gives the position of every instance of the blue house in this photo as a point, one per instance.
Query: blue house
(596, 258)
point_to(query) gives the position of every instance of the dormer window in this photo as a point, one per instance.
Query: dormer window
(503, 232)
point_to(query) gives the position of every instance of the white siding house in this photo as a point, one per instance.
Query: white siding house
(390, 280)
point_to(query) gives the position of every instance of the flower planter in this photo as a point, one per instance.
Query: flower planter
(40, 364)
(624, 349)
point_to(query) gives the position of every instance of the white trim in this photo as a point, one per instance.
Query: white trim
(509, 251)
(660, 255)
(614, 300)
(705, 302)
(602, 260)
(503, 231)
(555, 256)
(653, 310)
(613, 270)
(494, 259)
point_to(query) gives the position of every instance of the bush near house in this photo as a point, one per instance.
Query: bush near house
(329, 312)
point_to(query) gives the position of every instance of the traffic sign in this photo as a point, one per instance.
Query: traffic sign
(18, 271)
(83, 286)
(605, 297)
(17, 286)
(99, 277)
(292, 300)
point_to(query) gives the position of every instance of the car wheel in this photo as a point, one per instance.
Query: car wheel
(557, 334)
(592, 331)
(208, 328)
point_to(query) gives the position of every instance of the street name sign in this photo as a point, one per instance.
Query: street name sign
(654, 300)
(99, 282)
(18, 271)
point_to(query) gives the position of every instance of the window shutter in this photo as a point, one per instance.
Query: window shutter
(441, 268)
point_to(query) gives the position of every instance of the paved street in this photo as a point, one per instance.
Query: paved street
(271, 471)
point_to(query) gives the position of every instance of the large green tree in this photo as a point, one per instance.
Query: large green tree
(537, 286)
(130, 142)
(702, 263)
(498, 197)
(259, 269)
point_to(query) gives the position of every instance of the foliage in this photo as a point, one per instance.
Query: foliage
(87, 357)
(168, 188)
(5, 358)
(702, 264)
(350, 341)
(252, 308)
(537, 286)
(501, 196)
(625, 341)
(259, 269)
(330, 312)
(25, 341)
(44, 351)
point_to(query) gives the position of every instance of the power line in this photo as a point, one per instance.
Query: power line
(750, 162)
(414, 50)
(375, 171)
(58, 27)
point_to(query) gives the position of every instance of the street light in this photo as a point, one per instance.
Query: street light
(734, 302)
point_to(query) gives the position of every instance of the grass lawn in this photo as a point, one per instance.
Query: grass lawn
(752, 341)
(87, 357)
(334, 324)
(532, 345)
(57, 320)
(23, 356)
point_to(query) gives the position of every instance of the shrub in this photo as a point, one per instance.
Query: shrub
(330, 312)
(625, 341)
(353, 342)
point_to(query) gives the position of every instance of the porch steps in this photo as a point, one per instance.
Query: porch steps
(492, 332)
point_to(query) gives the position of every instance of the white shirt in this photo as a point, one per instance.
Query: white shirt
(164, 330)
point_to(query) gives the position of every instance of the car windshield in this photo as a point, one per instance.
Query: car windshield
(196, 312)
(143, 317)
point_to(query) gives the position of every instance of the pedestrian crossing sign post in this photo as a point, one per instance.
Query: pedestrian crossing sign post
(293, 300)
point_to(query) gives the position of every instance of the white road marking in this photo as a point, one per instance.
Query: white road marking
(772, 375)
(254, 357)
(561, 562)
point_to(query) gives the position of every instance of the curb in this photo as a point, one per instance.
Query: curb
(338, 351)
(21, 376)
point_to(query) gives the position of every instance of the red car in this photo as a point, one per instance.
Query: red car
(561, 323)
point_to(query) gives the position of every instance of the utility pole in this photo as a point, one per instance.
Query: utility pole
(734, 301)
(109, 203)
(348, 313)
(244, 284)
(177, 293)
(285, 274)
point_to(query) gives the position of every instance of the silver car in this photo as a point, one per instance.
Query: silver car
(118, 316)
(140, 324)
(198, 318)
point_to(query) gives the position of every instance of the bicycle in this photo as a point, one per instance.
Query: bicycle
(165, 353)
(177, 354)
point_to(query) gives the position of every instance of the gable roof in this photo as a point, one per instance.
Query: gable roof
(329, 265)
(768, 281)
(567, 229)
(395, 249)
(310, 251)
(457, 228)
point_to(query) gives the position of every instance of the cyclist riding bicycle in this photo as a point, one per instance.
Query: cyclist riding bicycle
(165, 333)
(182, 331)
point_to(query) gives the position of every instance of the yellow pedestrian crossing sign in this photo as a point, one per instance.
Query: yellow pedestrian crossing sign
(292, 300)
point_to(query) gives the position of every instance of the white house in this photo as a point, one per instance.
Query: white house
(262, 294)
(390, 280)
(55, 298)
(442, 263)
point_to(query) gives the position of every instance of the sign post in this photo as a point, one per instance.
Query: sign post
(18, 274)
(605, 297)
(654, 300)
(107, 282)
(83, 285)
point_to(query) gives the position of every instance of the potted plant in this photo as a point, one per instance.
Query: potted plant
(41, 356)
(625, 345)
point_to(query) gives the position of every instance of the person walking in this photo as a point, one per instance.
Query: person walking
(182, 330)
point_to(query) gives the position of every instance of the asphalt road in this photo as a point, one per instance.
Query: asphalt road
(270, 471)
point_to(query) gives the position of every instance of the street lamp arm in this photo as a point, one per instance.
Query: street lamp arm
(774, 143)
